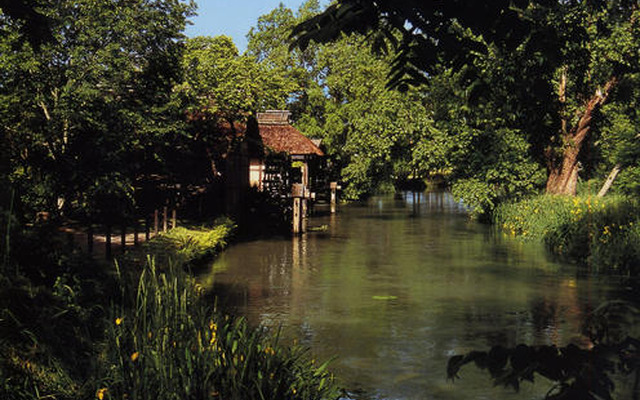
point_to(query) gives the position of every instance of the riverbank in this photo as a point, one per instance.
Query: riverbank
(603, 233)
(139, 330)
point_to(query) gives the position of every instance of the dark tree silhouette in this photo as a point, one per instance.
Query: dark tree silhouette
(35, 26)
(423, 33)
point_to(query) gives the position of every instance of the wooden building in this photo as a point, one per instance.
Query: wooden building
(278, 136)
(270, 156)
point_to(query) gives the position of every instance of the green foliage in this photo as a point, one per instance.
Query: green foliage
(369, 129)
(89, 105)
(172, 345)
(268, 46)
(619, 143)
(603, 232)
(340, 96)
(79, 333)
(51, 317)
(190, 245)
(224, 85)
(525, 69)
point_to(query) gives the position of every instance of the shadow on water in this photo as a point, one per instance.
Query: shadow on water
(396, 287)
(607, 367)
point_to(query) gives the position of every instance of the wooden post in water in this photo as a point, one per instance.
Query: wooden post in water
(334, 195)
(304, 210)
(297, 192)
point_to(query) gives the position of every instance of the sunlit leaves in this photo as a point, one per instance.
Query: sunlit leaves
(225, 85)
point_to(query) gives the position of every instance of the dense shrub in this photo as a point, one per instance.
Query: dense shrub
(603, 232)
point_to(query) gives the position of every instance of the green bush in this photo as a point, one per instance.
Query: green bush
(172, 345)
(141, 333)
(603, 232)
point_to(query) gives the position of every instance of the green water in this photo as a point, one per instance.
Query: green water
(395, 286)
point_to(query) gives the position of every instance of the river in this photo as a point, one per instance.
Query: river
(395, 286)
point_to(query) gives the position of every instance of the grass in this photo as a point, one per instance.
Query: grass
(82, 330)
(191, 245)
(602, 232)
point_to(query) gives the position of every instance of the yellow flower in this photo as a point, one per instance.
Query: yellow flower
(149, 335)
(100, 393)
(135, 356)
(118, 321)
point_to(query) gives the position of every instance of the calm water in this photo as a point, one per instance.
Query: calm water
(395, 286)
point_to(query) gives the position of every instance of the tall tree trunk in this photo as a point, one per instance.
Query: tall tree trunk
(563, 171)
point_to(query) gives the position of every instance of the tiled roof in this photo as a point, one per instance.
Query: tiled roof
(286, 138)
(277, 136)
(276, 117)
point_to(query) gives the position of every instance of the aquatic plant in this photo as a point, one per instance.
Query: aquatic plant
(173, 345)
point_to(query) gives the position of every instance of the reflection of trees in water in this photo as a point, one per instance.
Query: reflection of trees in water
(607, 369)
(551, 317)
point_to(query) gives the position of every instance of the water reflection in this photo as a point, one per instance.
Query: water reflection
(395, 286)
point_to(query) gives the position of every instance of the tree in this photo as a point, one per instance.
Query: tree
(90, 106)
(34, 25)
(222, 88)
(580, 50)
(268, 45)
(340, 97)
(619, 144)
(226, 85)
(367, 129)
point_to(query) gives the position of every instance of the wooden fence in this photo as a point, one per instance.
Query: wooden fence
(106, 239)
